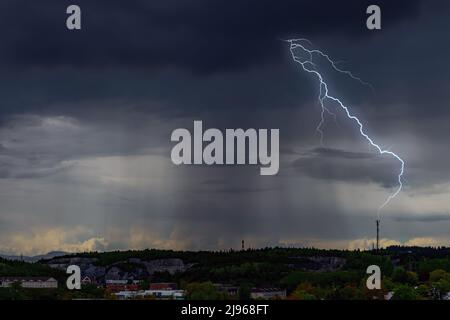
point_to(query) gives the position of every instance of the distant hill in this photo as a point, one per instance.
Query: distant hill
(50, 255)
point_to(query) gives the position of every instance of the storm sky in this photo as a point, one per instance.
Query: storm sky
(86, 118)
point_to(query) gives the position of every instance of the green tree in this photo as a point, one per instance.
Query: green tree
(203, 291)
(349, 292)
(412, 278)
(145, 284)
(440, 281)
(442, 287)
(244, 291)
(304, 291)
(399, 275)
(404, 292)
(423, 291)
(439, 274)
(302, 295)
(387, 284)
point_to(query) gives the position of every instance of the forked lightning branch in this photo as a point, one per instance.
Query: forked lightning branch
(306, 57)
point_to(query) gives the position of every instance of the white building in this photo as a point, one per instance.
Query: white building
(389, 295)
(446, 297)
(166, 294)
(122, 282)
(268, 293)
(158, 294)
(29, 282)
(124, 295)
(112, 281)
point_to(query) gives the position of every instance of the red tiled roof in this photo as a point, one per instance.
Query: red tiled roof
(163, 285)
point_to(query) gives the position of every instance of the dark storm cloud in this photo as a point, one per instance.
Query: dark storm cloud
(31, 166)
(201, 36)
(80, 108)
(224, 187)
(34, 146)
(336, 153)
(343, 165)
(432, 217)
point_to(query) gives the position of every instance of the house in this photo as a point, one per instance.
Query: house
(163, 286)
(87, 280)
(122, 281)
(166, 294)
(267, 293)
(29, 282)
(116, 282)
(126, 295)
(228, 289)
(123, 285)
(158, 294)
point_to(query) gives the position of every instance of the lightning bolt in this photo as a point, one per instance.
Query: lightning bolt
(308, 65)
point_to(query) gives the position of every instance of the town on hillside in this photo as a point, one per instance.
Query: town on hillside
(408, 273)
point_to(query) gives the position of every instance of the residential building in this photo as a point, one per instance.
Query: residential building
(166, 294)
(114, 281)
(126, 295)
(30, 282)
(228, 289)
(123, 285)
(267, 293)
(88, 280)
(158, 294)
(163, 286)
